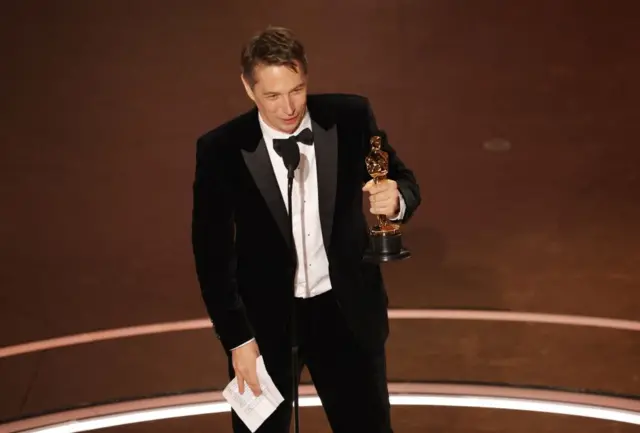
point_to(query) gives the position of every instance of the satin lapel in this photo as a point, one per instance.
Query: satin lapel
(326, 146)
(259, 164)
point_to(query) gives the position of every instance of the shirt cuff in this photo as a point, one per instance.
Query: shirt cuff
(403, 208)
(243, 344)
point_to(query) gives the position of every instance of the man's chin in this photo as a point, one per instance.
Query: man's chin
(290, 126)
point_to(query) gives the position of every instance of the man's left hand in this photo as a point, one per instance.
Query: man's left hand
(383, 197)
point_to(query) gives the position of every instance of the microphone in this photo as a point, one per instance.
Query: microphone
(290, 154)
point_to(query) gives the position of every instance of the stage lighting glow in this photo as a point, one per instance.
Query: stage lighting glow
(581, 410)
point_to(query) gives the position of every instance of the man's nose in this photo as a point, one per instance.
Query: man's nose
(288, 105)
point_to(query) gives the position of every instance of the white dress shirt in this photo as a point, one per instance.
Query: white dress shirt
(312, 274)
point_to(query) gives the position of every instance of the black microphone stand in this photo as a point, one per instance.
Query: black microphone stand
(294, 335)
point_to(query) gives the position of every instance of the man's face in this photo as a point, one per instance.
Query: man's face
(280, 95)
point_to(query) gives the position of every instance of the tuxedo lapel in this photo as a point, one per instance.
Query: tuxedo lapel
(326, 147)
(257, 159)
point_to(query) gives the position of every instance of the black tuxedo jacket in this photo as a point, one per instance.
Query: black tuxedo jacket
(244, 259)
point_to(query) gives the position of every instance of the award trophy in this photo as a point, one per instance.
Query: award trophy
(385, 238)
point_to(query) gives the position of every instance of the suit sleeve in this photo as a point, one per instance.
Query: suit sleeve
(398, 171)
(212, 238)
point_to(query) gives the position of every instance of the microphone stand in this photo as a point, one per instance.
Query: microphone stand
(294, 336)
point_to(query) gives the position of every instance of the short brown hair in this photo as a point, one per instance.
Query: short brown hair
(272, 46)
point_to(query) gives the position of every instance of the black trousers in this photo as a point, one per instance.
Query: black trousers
(339, 368)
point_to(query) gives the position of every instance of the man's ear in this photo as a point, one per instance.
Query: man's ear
(247, 88)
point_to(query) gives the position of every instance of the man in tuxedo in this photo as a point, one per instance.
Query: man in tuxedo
(251, 274)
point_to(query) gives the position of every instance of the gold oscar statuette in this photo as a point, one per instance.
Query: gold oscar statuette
(385, 238)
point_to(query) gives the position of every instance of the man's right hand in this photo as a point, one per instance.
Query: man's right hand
(244, 363)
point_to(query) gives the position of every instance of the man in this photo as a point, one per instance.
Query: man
(248, 270)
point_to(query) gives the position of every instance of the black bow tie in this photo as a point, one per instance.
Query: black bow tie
(305, 136)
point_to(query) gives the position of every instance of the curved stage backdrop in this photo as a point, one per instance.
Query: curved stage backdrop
(519, 119)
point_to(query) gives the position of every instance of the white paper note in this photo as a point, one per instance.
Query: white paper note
(252, 410)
